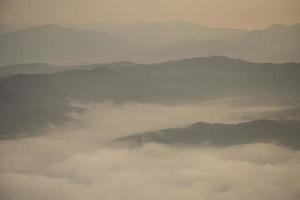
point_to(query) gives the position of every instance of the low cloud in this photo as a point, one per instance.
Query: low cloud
(74, 161)
(107, 121)
(256, 171)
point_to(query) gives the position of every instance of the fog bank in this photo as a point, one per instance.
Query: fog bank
(75, 161)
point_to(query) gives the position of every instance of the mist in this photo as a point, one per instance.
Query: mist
(103, 122)
(157, 172)
(149, 100)
(76, 161)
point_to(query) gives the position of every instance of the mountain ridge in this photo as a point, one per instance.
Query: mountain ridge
(281, 132)
(55, 44)
(47, 96)
(59, 45)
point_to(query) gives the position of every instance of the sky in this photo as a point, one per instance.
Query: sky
(249, 14)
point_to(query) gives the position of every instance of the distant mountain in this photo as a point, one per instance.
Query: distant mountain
(46, 97)
(287, 114)
(9, 27)
(152, 35)
(281, 132)
(146, 43)
(33, 68)
(278, 43)
(40, 68)
(58, 45)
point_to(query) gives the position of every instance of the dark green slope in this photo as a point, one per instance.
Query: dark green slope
(280, 132)
(35, 100)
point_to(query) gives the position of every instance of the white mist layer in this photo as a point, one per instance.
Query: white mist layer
(107, 121)
(74, 161)
(256, 171)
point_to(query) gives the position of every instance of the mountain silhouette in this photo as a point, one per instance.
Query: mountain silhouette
(280, 132)
(278, 43)
(46, 97)
(57, 45)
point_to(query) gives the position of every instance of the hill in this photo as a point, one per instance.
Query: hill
(278, 43)
(57, 45)
(282, 132)
(46, 97)
(152, 35)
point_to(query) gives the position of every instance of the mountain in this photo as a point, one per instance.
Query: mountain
(281, 132)
(58, 45)
(31, 68)
(278, 43)
(38, 68)
(46, 97)
(151, 35)
(6, 27)
(146, 43)
(286, 113)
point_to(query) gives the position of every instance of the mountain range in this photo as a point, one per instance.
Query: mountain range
(281, 132)
(152, 35)
(146, 43)
(57, 45)
(46, 97)
(33, 68)
(38, 68)
(278, 43)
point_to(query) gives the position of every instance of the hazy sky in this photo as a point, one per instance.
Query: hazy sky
(229, 13)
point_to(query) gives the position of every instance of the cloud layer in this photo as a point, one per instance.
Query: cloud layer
(256, 171)
(74, 161)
